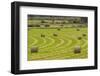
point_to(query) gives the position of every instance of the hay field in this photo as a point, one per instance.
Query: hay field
(61, 46)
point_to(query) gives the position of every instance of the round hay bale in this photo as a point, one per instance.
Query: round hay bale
(83, 34)
(79, 38)
(42, 35)
(58, 29)
(77, 50)
(77, 29)
(34, 49)
(55, 34)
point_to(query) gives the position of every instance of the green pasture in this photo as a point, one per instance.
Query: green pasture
(57, 47)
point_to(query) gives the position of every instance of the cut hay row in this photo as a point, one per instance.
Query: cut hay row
(85, 43)
(52, 46)
(39, 41)
(61, 48)
(66, 42)
(52, 41)
(58, 44)
(57, 41)
(62, 40)
(35, 42)
(80, 43)
(71, 50)
(60, 55)
(61, 43)
(56, 55)
(70, 39)
(43, 43)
